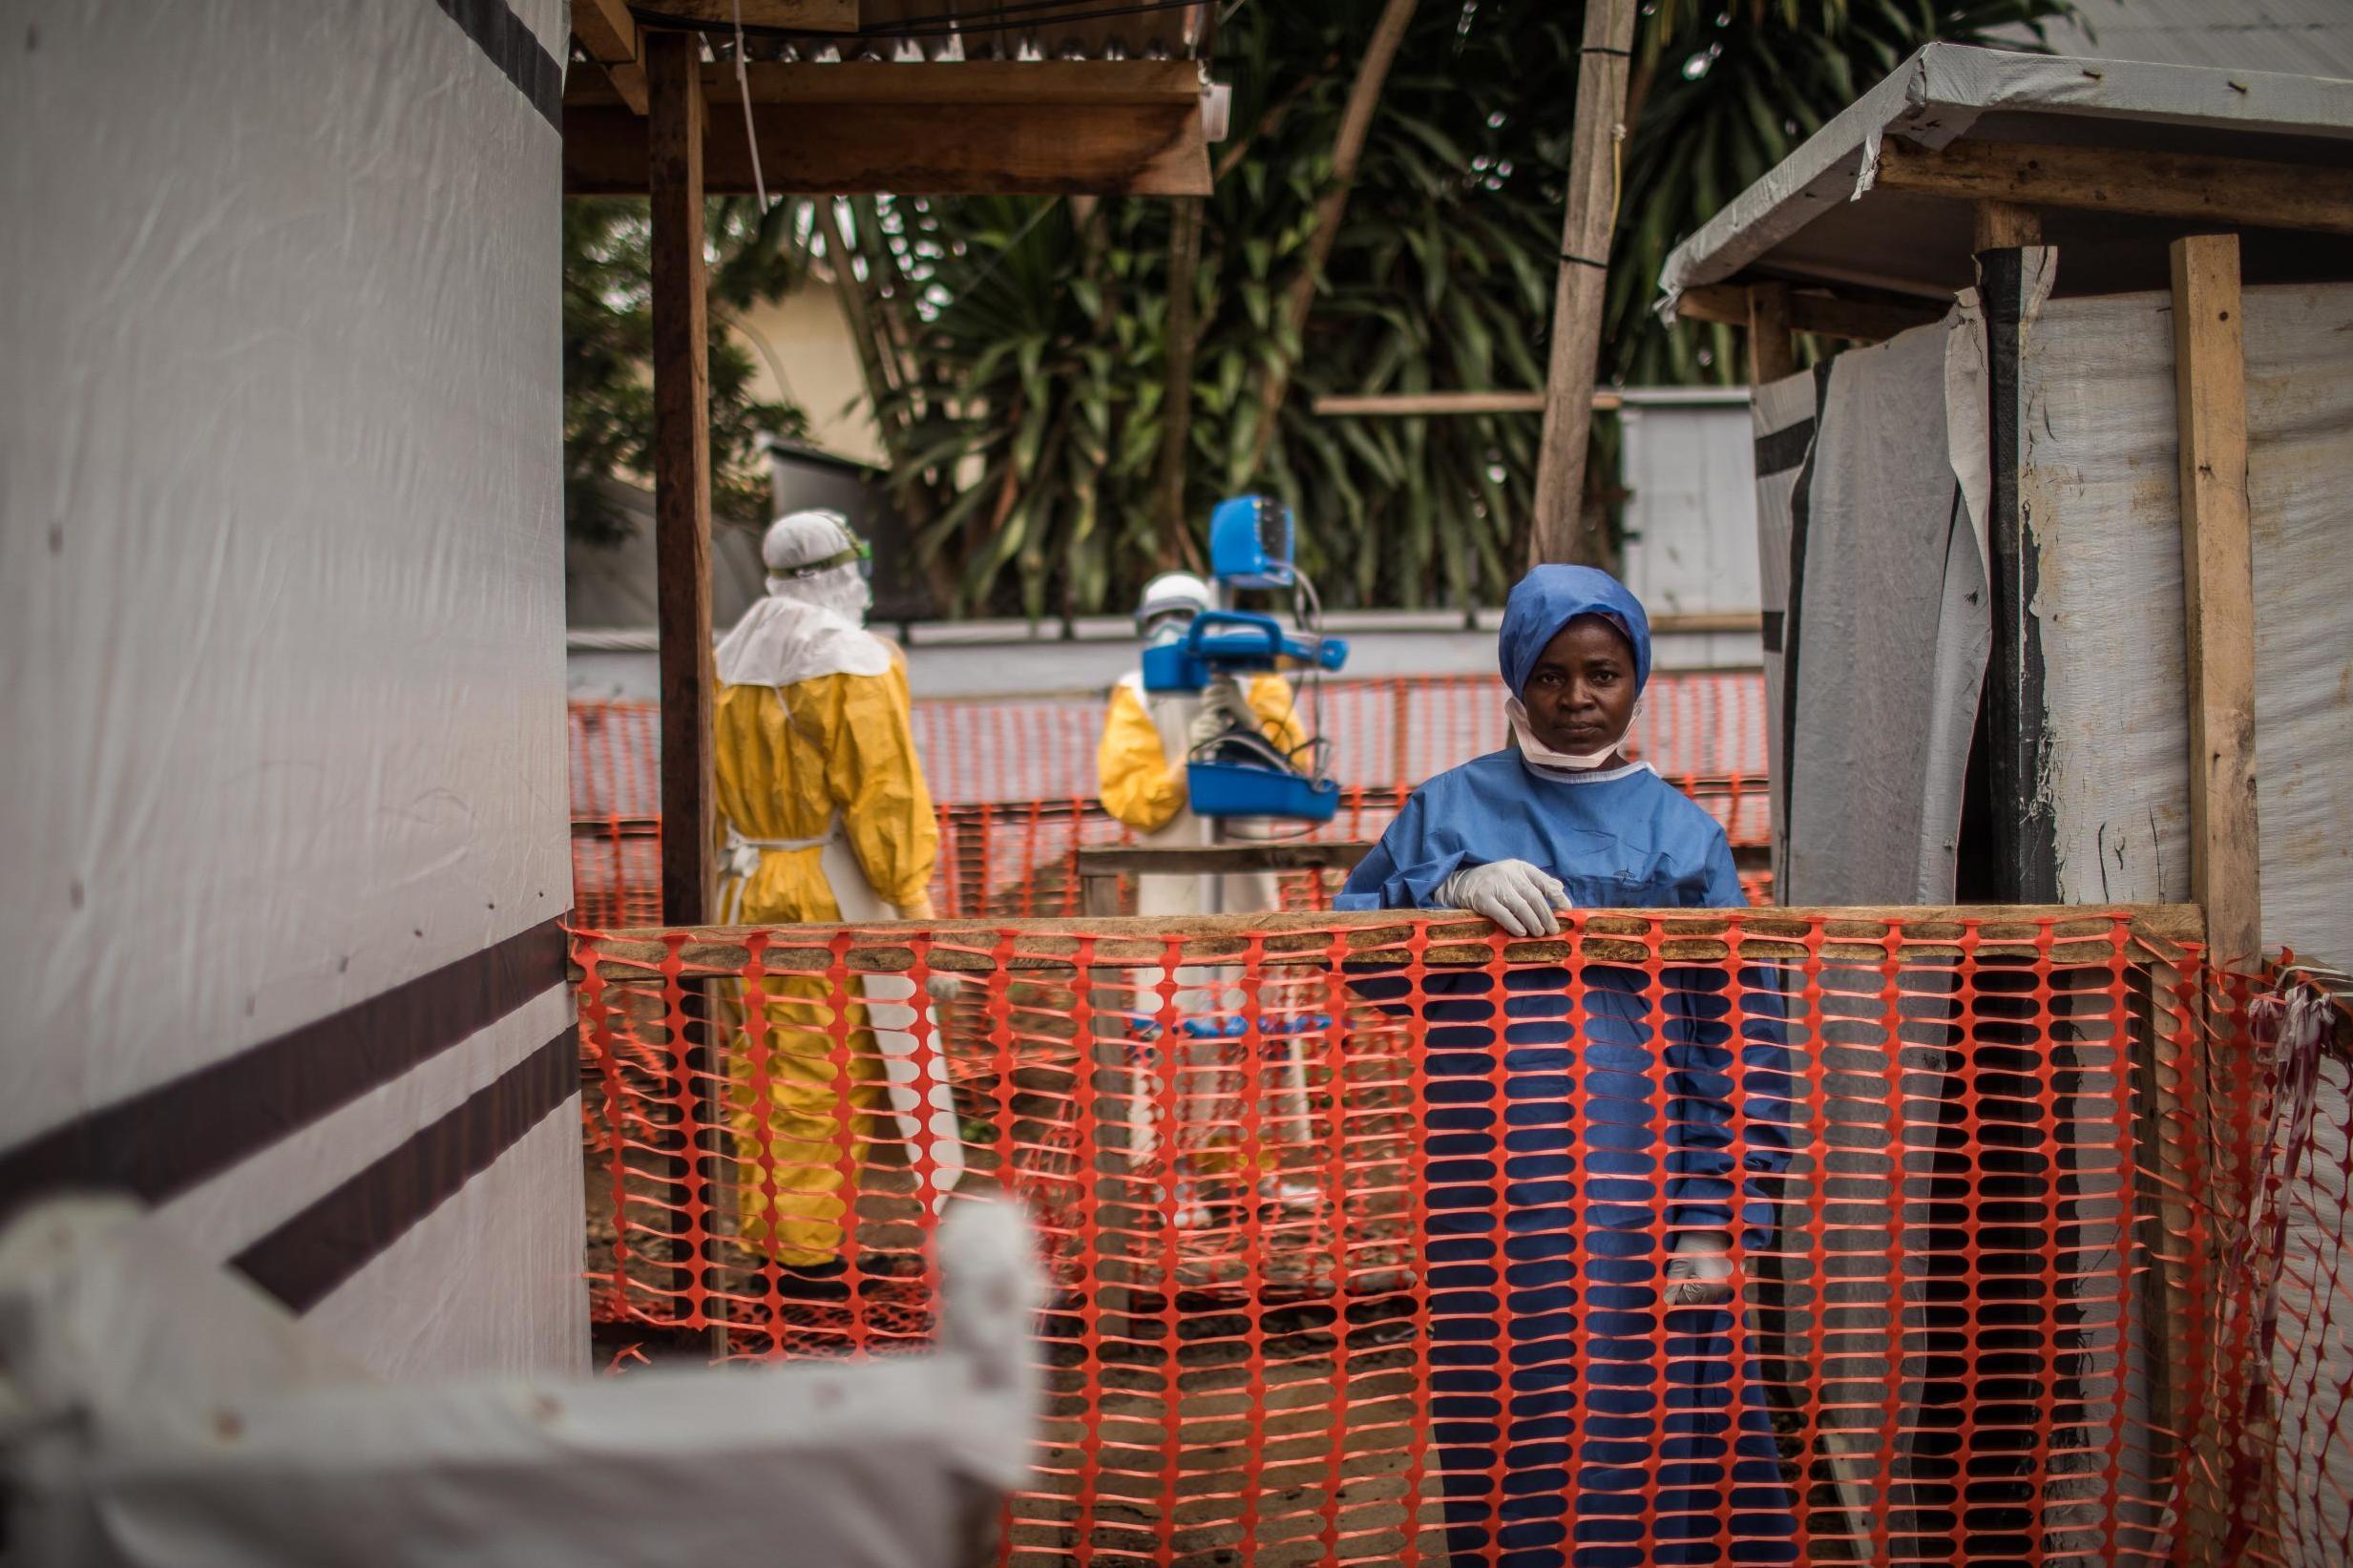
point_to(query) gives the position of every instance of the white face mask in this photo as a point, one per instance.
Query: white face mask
(1543, 755)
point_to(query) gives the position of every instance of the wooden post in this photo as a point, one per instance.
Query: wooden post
(1772, 354)
(2015, 725)
(682, 472)
(674, 125)
(2005, 225)
(2218, 592)
(1580, 292)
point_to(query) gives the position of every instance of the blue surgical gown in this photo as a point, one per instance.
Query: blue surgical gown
(1561, 1464)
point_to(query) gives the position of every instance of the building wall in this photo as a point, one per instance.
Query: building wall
(283, 790)
(802, 354)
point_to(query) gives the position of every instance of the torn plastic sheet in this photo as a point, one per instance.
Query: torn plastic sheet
(209, 1426)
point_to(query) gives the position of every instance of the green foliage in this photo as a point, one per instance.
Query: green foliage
(608, 338)
(1022, 343)
(1725, 91)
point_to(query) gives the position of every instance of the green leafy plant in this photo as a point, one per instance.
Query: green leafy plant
(607, 344)
(1018, 351)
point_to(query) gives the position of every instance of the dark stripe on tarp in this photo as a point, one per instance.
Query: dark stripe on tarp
(499, 33)
(1773, 619)
(166, 1140)
(1777, 451)
(302, 1261)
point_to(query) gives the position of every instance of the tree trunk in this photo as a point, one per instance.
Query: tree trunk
(1580, 295)
(1347, 151)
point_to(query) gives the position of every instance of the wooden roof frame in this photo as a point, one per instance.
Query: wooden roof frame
(862, 127)
(652, 118)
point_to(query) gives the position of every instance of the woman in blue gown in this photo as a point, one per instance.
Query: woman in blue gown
(1645, 1459)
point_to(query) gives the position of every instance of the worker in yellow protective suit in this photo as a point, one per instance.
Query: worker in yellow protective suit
(826, 819)
(1140, 768)
(1139, 765)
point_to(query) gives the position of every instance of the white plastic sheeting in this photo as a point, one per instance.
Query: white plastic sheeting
(1886, 646)
(2103, 497)
(280, 594)
(158, 1412)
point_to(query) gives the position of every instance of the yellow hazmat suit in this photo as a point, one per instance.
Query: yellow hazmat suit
(1141, 784)
(819, 783)
(1140, 770)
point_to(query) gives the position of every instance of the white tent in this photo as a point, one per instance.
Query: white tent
(282, 787)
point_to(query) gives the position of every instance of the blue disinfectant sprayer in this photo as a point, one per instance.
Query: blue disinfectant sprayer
(1242, 773)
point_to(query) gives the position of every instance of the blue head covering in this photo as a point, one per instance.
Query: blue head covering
(1551, 597)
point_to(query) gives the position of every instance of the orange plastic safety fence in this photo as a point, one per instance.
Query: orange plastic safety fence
(1343, 1276)
(1389, 732)
(1015, 854)
(1020, 858)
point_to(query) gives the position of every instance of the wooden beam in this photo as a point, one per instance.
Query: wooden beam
(1581, 287)
(2079, 935)
(1380, 405)
(999, 82)
(2005, 225)
(1144, 860)
(672, 135)
(1772, 354)
(606, 30)
(611, 36)
(914, 148)
(800, 15)
(2228, 192)
(2217, 590)
(1668, 621)
(1825, 315)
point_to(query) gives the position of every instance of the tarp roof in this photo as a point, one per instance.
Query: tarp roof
(1818, 218)
(2302, 37)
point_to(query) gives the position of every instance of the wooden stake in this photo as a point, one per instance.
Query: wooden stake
(1579, 291)
(2217, 590)
(1772, 355)
(681, 471)
(2005, 225)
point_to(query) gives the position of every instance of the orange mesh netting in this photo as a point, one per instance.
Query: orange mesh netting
(1014, 783)
(2026, 1268)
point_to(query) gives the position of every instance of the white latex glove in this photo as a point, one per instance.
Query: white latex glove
(1210, 723)
(1700, 1271)
(943, 988)
(1225, 695)
(1514, 894)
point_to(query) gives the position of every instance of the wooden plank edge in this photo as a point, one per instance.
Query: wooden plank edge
(987, 83)
(2079, 934)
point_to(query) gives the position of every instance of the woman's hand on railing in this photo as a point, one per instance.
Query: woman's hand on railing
(1514, 894)
(1699, 1273)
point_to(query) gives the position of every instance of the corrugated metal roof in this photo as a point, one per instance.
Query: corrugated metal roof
(1008, 29)
(1821, 216)
(2302, 37)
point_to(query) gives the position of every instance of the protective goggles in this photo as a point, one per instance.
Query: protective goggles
(859, 553)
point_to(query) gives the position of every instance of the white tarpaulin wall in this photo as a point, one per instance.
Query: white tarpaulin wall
(2100, 489)
(1885, 648)
(282, 792)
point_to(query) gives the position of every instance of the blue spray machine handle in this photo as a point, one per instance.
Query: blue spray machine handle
(1231, 641)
